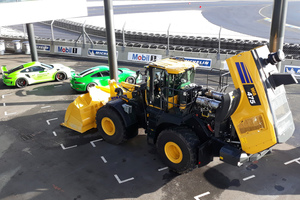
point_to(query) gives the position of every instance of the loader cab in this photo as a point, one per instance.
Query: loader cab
(165, 80)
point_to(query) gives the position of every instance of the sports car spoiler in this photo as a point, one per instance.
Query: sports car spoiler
(3, 69)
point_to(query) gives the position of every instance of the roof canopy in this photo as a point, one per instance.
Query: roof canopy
(29, 11)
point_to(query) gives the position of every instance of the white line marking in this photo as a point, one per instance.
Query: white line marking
(48, 121)
(120, 182)
(54, 133)
(5, 113)
(201, 195)
(104, 160)
(45, 107)
(164, 168)
(4, 104)
(57, 85)
(92, 142)
(297, 160)
(249, 177)
(65, 148)
(4, 95)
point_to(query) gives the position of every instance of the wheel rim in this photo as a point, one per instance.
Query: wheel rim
(90, 86)
(173, 152)
(21, 83)
(108, 126)
(59, 76)
(130, 80)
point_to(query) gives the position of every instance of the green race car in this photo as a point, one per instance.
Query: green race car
(99, 75)
(35, 72)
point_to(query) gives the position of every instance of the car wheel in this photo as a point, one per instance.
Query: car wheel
(21, 82)
(89, 86)
(130, 79)
(60, 76)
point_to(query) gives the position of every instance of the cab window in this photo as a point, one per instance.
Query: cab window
(105, 73)
(98, 74)
(37, 69)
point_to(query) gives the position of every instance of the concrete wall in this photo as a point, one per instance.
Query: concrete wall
(126, 54)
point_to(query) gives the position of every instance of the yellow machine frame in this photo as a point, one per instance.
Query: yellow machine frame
(252, 118)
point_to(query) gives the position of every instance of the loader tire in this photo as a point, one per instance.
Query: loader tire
(110, 125)
(132, 132)
(178, 149)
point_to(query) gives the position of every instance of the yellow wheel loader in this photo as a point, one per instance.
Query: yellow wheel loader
(189, 123)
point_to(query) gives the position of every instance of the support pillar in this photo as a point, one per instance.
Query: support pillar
(32, 44)
(111, 39)
(278, 27)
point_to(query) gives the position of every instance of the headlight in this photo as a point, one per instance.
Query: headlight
(252, 124)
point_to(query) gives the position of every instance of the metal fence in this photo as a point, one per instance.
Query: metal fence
(172, 42)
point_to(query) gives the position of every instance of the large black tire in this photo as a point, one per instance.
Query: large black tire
(110, 125)
(60, 76)
(130, 79)
(178, 149)
(21, 82)
(132, 132)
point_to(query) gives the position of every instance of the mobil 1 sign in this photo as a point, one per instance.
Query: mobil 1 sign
(143, 57)
(68, 50)
(203, 62)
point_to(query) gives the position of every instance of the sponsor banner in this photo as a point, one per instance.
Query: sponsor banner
(43, 47)
(203, 62)
(143, 57)
(67, 50)
(292, 70)
(99, 53)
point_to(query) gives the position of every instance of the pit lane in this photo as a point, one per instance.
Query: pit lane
(42, 160)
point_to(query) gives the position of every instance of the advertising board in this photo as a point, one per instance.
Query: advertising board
(292, 70)
(101, 53)
(203, 62)
(43, 47)
(143, 57)
(67, 50)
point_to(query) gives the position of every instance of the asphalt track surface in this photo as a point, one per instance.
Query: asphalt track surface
(247, 17)
(42, 160)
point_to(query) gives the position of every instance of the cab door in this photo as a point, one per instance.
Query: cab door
(155, 84)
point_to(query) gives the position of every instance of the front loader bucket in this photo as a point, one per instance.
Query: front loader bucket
(81, 113)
